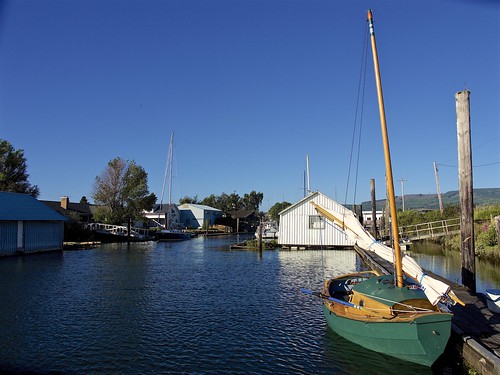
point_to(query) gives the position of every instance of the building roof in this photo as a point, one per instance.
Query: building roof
(15, 206)
(242, 214)
(72, 207)
(307, 198)
(187, 206)
(162, 208)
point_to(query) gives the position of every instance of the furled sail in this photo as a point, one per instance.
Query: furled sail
(435, 290)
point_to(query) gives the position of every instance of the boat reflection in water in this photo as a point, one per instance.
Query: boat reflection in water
(176, 307)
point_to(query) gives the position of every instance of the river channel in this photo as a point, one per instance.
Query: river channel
(192, 307)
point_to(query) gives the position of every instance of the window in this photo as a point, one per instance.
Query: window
(316, 222)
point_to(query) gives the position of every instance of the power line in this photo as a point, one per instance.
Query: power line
(474, 166)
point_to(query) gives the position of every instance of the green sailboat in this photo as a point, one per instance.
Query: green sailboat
(398, 315)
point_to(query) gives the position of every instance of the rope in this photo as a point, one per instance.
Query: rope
(360, 99)
(413, 308)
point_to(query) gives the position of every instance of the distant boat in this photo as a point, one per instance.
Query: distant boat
(117, 233)
(169, 231)
(269, 231)
(398, 315)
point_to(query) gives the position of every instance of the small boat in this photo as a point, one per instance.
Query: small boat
(493, 300)
(269, 231)
(172, 235)
(401, 315)
(170, 232)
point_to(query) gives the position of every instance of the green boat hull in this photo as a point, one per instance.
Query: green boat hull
(422, 341)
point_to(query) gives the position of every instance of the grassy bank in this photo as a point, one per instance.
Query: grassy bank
(486, 237)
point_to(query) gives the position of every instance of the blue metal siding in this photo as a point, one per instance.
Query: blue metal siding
(43, 235)
(8, 237)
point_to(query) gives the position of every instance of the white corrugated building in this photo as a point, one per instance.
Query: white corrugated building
(302, 227)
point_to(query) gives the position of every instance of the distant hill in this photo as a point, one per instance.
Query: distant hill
(430, 201)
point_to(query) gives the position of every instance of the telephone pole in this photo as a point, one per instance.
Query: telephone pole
(438, 188)
(403, 192)
(465, 190)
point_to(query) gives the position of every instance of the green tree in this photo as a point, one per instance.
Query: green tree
(212, 201)
(122, 192)
(233, 202)
(13, 174)
(276, 209)
(186, 199)
(252, 201)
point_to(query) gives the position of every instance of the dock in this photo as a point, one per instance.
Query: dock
(475, 328)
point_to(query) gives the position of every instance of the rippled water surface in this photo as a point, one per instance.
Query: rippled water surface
(186, 307)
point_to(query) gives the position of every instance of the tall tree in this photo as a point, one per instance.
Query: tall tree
(212, 201)
(13, 175)
(186, 199)
(253, 200)
(276, 209)
(122, 192)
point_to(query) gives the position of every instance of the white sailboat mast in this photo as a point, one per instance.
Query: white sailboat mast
(168, 173)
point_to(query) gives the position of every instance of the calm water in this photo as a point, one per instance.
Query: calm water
(449, 264)
(188, 307)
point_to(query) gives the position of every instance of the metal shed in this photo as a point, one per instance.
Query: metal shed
(302, 227)
(199, 215)
(27, 225)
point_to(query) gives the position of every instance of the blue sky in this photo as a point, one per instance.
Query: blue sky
(250, 88)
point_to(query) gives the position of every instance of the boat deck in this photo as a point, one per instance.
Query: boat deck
(474, 323)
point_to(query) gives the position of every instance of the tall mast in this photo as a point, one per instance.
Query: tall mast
(168, 172)
(308, 176)
(170, 159)
(387, 154)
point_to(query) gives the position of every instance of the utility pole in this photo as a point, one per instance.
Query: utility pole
(403, 192)
(462, 102)
(438, 189)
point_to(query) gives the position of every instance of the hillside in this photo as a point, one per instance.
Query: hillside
(430, 201)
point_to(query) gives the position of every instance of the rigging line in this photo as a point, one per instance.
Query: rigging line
(360, 126)
(415, 308)
(361, 83)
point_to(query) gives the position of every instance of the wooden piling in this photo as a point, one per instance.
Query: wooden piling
(465, 189)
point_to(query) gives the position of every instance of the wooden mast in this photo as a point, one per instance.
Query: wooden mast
(387, 155)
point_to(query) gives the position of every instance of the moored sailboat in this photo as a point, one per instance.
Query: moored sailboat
(169, 232)
(400, 315)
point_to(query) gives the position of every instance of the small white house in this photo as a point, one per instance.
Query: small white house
(302, 227)
(164, 215)
(198, 215)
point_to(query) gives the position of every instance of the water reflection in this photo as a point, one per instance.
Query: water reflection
(184, 307)
(435, 258)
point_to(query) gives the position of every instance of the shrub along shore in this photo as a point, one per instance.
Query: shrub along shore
(486, 229)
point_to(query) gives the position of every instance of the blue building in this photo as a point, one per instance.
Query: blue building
(199, 215)
(28, 226)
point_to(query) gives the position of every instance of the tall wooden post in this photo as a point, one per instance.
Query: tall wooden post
(374, 209)
(260, 235)
(465, 190)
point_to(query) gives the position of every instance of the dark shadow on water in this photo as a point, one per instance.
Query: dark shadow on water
(353, 359)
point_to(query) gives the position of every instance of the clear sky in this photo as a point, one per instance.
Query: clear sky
(250, 88)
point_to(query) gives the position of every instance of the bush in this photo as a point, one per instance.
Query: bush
(486, 212)
(486, 237)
